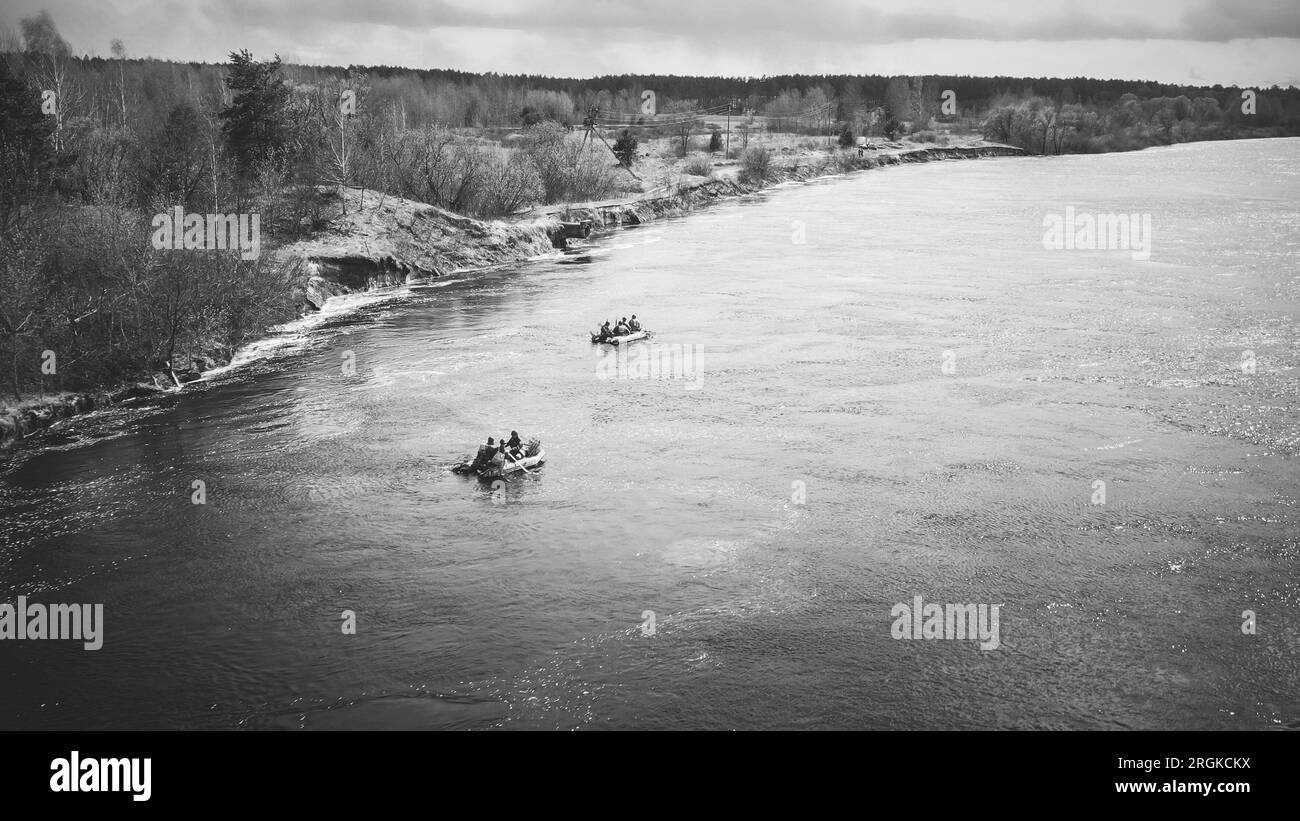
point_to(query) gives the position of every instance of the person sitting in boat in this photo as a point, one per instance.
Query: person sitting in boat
(509, 451)
(484, 456)
(604, 332)
(621, 328)
(633, 325)
(515, 447)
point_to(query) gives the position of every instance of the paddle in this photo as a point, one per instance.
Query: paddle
(515, 461)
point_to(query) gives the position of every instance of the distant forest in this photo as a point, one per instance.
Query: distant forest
(423, 97)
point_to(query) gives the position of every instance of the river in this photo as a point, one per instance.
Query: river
(881, 386)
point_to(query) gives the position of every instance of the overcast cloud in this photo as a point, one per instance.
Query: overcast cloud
(1247, 42)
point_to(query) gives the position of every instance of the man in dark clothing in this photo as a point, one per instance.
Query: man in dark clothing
(515, 447)
(633, 325)
(484, 455)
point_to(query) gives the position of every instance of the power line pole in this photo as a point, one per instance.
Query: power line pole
(730, 103)
(590, 123)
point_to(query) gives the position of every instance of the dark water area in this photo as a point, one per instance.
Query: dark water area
(918, 398)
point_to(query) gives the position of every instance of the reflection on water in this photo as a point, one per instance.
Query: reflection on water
(918, 399)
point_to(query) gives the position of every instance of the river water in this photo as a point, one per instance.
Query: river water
(871, 388)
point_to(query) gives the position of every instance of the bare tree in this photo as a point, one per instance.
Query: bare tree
(119, 52)
(51, 55)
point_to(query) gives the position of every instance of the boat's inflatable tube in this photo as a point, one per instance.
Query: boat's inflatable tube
(618, 340)
(493, 472)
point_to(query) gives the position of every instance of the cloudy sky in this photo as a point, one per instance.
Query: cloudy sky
(1242, 42)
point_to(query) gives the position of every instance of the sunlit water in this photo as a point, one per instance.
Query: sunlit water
(817, 466)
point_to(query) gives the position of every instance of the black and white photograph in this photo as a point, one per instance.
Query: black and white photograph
(725, 365)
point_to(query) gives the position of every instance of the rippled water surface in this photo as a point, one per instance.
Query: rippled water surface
(815, 466)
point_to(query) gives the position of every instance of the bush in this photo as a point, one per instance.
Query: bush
(715, 140)
(531, 117)
(461, 174)
(625, 148)
(756, 165)
(699, 166)
(570, 170)
(846, 139)
(511, 186)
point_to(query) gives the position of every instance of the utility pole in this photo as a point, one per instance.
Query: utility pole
(730, 102)
(589, 123)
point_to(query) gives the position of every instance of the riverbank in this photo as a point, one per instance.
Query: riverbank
(378, 241)
(730, 182)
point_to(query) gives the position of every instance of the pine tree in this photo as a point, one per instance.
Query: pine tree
(255, 123)
(27, 160)
(625, 148)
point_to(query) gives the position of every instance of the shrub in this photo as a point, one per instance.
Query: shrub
(570, 170)
(845, 161)
(846, 138)
(715, 140)
(625, 148)
(756, 164)
(462, 174)
(510, 186)
(699, 166)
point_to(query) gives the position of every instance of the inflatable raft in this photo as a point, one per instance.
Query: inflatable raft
(619, 340)
(493, 472)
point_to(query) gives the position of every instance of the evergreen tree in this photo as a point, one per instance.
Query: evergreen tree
(256, 122)
(27, 159)
(625, 148)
